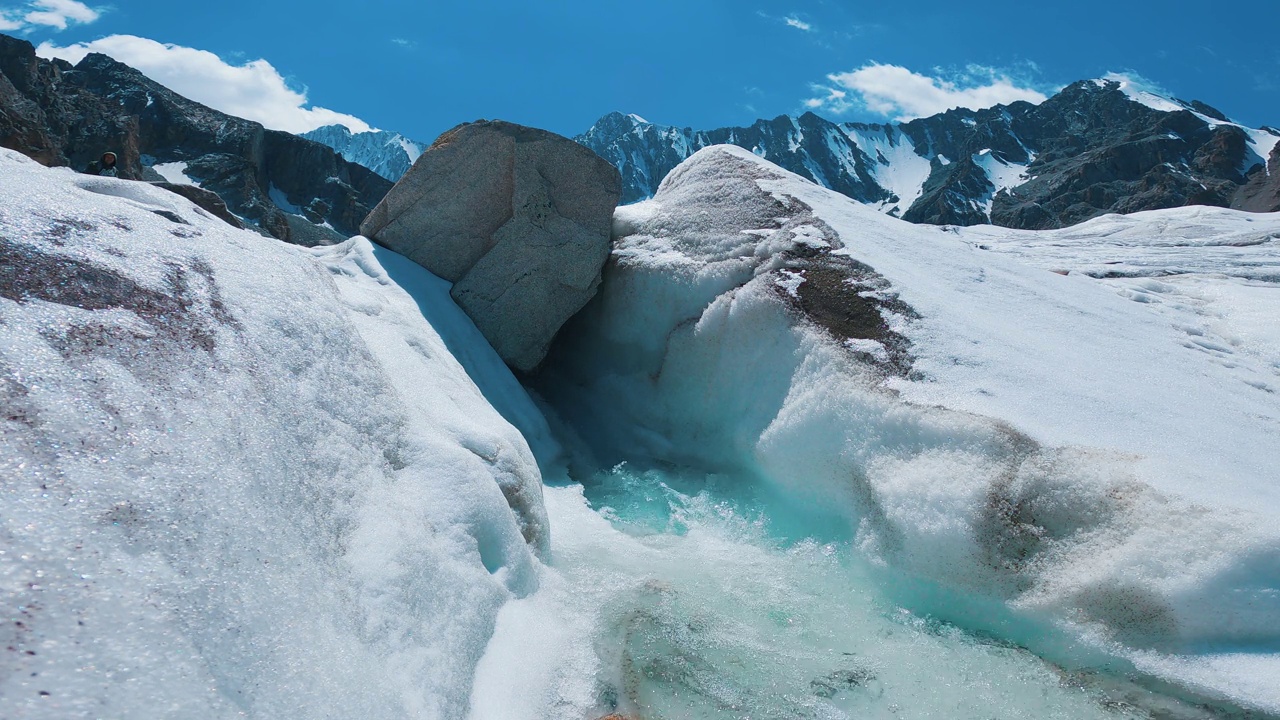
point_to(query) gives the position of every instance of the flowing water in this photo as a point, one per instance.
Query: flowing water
(700, 598)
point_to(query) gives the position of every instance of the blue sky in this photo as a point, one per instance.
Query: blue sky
(421, 67)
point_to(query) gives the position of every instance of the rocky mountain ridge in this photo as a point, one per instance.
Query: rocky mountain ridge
(1096, 147)
(387, 153)
(294, 189)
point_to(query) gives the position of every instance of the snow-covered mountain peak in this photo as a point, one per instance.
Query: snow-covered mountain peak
(1141, 91)
(386, 153)
(1023, 165)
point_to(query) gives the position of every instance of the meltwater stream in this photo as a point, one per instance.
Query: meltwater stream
(685, 596)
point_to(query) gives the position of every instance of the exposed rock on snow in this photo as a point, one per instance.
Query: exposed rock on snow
(206, 199)
(1035, 440)
(774, 240)
(240, 478)
(517, 218)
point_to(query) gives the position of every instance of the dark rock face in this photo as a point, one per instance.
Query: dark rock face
(517, 218)
(1089, 150)
(48, 117)
(205, 199)
(1261, 193)
(64, 115)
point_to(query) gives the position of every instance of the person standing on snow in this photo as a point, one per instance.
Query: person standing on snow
(106, 166)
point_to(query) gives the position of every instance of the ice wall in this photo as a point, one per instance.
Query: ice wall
(1035, 480)
(238, 478)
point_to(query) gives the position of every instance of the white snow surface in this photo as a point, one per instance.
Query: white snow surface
(1140, 92)
(1001, 174)
(1100, 464)
(239, 478)
(904, 174)
(281, 200)
(175, 172)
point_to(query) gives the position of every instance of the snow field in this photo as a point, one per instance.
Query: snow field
(239, 477)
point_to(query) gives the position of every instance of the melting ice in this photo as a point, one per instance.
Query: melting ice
(244, 479)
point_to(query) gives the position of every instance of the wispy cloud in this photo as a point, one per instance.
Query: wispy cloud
(56, 14)
(793, 20)
(833, 100)
(1135, 81)
(797, 23)
(254, 90)
(402, 42)
(897, 92)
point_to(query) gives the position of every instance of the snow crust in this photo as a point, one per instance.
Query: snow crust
(1057, 448)
(175, 172)
(240, 478)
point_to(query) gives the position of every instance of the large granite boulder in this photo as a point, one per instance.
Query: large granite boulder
(517, 218)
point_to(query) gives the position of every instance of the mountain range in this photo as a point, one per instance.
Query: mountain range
(386, 153)
(1096, 147)
(292, 188)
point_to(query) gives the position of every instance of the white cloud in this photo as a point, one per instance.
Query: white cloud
(56, 14)
(1131, 79)
(831, 99)
(254, 90)
(797, 23)
(895, 91)
(788, 20)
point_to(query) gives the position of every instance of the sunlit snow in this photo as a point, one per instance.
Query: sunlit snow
(245, 479)
(175, 172)
(240, 477)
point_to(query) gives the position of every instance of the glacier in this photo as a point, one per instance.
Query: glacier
(1059, 466)
(247, 479)
(240, 477)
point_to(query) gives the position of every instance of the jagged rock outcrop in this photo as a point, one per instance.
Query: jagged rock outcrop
(1262, 192)
(61, 114)
(517, 218)
(204, 199)
(1096, 147)
(55, 121)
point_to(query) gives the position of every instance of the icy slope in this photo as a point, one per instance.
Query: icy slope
(238, 478)
(1000, 433)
